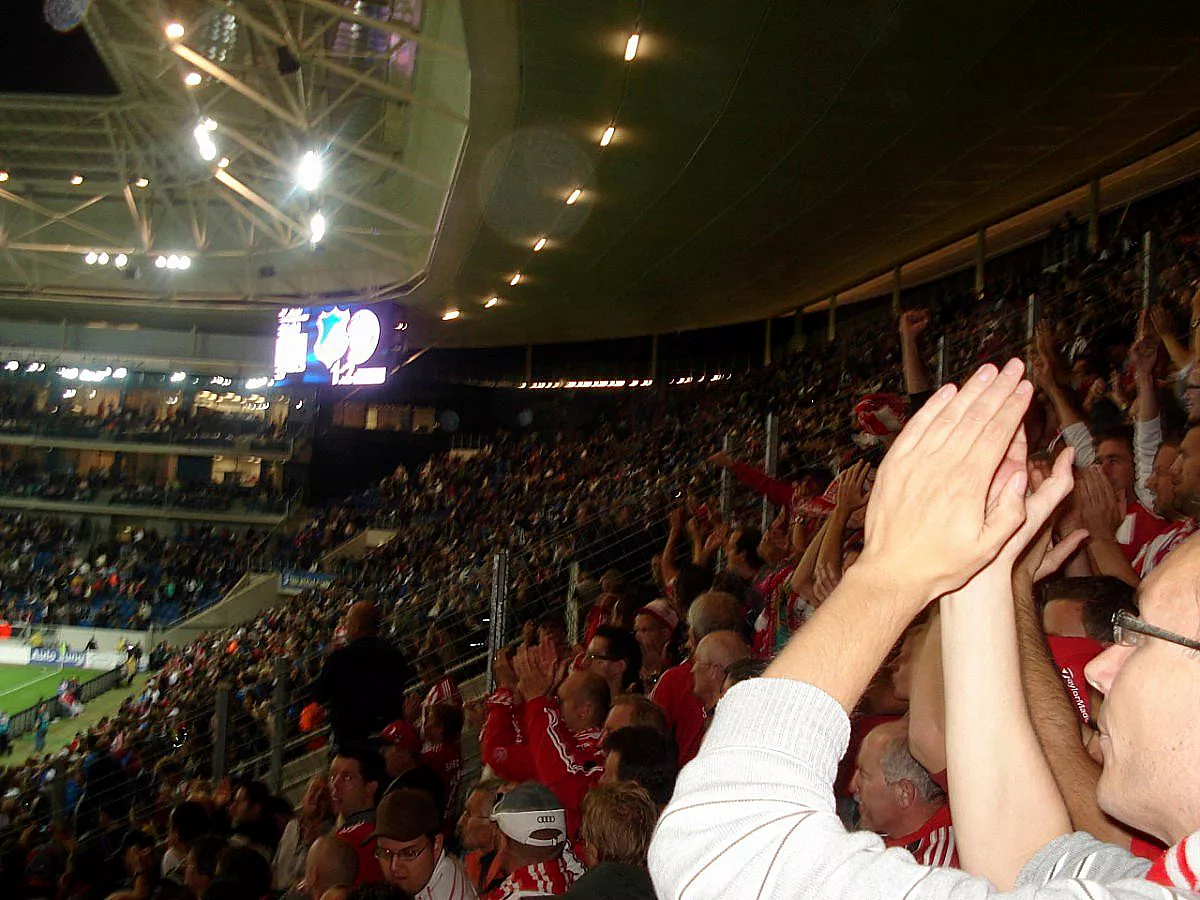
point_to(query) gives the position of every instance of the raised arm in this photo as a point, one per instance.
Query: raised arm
(916, 375)
(1003, 797)
(1055, 721)
(1075, 432)
(851, 497)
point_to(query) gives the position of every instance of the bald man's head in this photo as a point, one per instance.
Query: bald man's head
(714, 655)
(330, 863)
(712, 611)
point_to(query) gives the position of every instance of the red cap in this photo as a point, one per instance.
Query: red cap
(401, 734)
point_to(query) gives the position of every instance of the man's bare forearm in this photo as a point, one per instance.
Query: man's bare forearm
(1057, 724)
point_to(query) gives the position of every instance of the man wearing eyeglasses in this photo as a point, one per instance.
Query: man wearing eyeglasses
(951, 517)
(714, 655)
(408, 846)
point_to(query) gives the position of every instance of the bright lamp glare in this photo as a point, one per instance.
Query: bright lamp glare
(91, 258)
(142, 182)
(450, 315)
(491, 301)
(174, 31)
(193, 79)
(515, 280)
(539, 245)
(121, 260)
(160, 262)
(76, 180)
(120, 372)
(204, 141)
(316, 228)
(177, 377)
(310, 171)
(172, 261)
(102, 259)
(574, 196)
(631, 47)
(607, 137)
(185, 262)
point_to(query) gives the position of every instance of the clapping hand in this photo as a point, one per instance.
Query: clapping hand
(537, 668)
(951, 492)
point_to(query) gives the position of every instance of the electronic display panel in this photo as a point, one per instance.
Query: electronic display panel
(338, 344)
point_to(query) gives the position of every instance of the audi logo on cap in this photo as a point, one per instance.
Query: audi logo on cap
(547, 820)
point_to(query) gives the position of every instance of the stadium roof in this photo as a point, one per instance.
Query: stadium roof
(765, 154)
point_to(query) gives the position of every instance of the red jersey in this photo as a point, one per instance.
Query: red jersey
(569, 763)
(1071, 654)
(502, 743)
(933, 843)
(446, 760)
(360, 836)
(1155, 550)
(1138, 528)
(548, 879)
(685, 713)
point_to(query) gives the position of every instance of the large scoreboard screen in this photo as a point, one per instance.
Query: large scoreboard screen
(342, 344)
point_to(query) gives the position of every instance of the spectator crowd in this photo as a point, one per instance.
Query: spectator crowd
(964, 637)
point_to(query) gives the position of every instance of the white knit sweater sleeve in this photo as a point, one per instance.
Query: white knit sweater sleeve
(753, 817)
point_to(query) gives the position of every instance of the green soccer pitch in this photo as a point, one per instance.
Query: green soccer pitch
(23, 686)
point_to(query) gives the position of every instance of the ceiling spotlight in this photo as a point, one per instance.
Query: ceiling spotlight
(3, 176)
(91, 258)
(491, 301)
(515, 280)
(573, 196)
(316, 227)
(12, 365)
(160, 262)
(76, 180)
(606, 138)
(631, 47)
(204, 142)
(174, 31)
(177, 377)
(450, 315)
(121, 260)
(223, 162)
(172, 262)
(142, 182)
(102, 259)
(310, 171)
(120, 372)
(185, 262)
(539, 244)
(193, 79)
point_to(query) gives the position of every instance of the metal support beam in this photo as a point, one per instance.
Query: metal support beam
(265, 205)
(980, 261)
(365, 79)
(770, 466)
(498, 621)
(392, 28)
(1093, 236)
(896, 286)
(236, 84)
(1147, 272)
(654, 357)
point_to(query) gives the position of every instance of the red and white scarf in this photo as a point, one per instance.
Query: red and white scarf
(1179, 866)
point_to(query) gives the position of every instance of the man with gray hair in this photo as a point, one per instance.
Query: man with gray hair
(711, 611)
(898, 800)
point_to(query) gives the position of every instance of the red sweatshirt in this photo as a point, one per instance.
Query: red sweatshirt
(569, 763)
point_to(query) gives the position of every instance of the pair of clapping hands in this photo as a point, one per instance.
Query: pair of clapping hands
(531, 670)
(955, 494)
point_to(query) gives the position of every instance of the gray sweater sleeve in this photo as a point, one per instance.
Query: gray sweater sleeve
(753, 817)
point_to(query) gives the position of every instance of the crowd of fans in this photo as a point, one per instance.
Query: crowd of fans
(48, 575)
(583, 741)
(25, 409)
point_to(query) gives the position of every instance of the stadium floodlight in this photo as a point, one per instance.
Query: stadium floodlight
(120, 372)
(204, 142)
(316, 228)
(609, 133)
(91, 257)
(574, 196)
(450, 315)
(310, 171)
(174, 31)
(177, 377)
(631, 47)
(539, 245)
